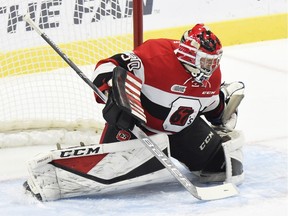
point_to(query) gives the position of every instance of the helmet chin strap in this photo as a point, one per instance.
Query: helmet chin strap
(195, 73)
(200, 78)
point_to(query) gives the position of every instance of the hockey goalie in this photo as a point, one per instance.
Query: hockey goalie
(172, 90)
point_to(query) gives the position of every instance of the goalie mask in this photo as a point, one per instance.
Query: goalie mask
(200, 52)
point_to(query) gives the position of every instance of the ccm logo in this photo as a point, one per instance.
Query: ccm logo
(206, 141)
(208, 92)
(79, 152)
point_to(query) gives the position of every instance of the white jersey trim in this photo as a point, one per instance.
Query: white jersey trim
(103, 68)
(166, 99)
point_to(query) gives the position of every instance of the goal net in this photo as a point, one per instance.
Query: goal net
(39, 91)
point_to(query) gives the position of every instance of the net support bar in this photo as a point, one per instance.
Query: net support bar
(138, 22)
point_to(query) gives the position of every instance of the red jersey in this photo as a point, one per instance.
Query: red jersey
(170, 97)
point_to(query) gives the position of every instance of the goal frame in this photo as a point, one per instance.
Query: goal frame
(138, 22)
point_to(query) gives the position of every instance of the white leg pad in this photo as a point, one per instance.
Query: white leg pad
(233, 160)
(53, 183)
(234, 157)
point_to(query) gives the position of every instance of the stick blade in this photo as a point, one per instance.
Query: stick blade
(217, 192)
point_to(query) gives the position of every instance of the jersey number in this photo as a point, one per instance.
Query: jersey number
(132, 61)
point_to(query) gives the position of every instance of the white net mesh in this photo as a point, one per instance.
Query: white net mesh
(37, 88)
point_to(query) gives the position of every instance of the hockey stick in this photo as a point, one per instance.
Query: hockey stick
(202, 193)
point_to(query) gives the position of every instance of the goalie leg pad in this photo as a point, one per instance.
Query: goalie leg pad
(123, 108)
(234, 158)
(81, 175)
(232, 150)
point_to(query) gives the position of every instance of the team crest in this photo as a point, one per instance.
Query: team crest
(178, 88)
(123, 135)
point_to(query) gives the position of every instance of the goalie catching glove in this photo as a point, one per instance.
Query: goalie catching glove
(123, 108)
(231, 94)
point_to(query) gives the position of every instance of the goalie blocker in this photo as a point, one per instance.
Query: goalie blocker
(123, 107)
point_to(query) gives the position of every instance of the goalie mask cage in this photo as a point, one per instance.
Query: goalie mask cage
(39, 91)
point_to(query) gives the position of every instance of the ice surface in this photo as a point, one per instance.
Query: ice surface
(263, 117)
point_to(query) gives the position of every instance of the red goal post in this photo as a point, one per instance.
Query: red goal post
(39, 91)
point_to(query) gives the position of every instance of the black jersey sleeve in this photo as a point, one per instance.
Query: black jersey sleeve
(129, 61)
